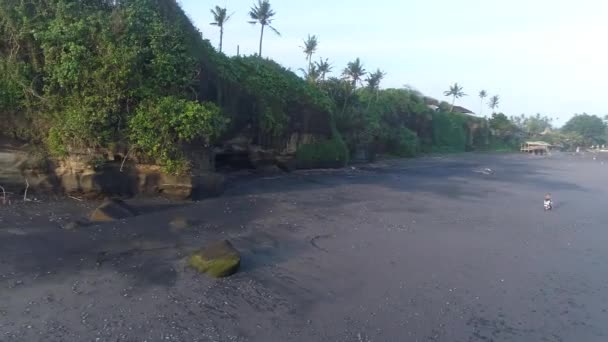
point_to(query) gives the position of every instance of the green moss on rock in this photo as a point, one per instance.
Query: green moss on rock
(219, 259)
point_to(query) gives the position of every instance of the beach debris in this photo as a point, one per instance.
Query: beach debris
(485, 171)
(27, 186)
(218, 259)
(314, 240)
(111, 210)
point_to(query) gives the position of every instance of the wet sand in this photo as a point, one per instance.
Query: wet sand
(431, 249)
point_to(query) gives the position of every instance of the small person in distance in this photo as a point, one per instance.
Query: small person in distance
(548, 203)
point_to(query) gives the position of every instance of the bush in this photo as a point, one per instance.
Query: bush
(403, 143)
(55, 143)
(332, 153)
(449, 133)
(262, 93)
(500, 145)
(160, 126)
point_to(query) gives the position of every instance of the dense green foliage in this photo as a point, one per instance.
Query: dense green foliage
(449, 132)
(331, 153)
(135, 75)
(100, 74)
(266, 90)
(590, 128)
(532, 126)
(83, 69)
(160, 126)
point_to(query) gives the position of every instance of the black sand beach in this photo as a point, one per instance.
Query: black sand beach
(433, 249)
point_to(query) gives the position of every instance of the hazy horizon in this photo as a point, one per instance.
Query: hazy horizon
(541, 57)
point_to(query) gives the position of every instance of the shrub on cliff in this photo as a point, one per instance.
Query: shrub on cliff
(402, 142)
(331, 153)
(160, 126)
(449, 132)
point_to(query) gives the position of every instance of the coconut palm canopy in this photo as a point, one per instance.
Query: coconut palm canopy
(354, 71)
(261, 13)
(220, 17)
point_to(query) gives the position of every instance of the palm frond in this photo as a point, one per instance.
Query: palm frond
(274, 30)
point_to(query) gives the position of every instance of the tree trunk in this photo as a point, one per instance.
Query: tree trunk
(344, 106)
(221, 37)
(452, 106)
(481, 107)
(309, 64)
(261, 38)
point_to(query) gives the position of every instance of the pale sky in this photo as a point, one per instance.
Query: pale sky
(540, 56)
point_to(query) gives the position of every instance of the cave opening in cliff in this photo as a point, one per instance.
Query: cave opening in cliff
(233, 161)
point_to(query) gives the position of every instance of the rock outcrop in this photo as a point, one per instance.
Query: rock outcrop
(112, 210)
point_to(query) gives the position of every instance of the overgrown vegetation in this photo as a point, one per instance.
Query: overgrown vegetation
(136, 75)
(331, 153)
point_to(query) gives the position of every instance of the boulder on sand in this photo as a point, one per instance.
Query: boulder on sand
(111, 210)
(218, 259)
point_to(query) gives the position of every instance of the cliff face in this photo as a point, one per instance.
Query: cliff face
(85, 78)
(91, 173)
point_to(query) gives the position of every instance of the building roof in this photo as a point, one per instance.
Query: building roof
(538, 143)
(458, 109)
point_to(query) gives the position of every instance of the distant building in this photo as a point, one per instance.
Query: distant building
(536, 147)
(433, 107)
(462, 110)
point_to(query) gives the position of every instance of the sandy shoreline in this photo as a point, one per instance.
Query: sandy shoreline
(416, 250)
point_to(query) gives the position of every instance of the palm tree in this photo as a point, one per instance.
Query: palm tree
(262, 14)
(494, 101)
(220, 18)
(482, 95)
(323, 67)
(312, 75)
(373, 80)
(373, 83)
(354, 71)
(456, 93)
(310, 47)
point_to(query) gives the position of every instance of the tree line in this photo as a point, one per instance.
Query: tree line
(135, 75)
(581, 129)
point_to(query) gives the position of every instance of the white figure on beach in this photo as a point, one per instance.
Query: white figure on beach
(548, 202)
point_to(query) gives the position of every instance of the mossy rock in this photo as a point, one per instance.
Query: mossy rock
(219, 259)
(111, 210)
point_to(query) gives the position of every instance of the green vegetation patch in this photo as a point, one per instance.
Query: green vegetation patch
(331, 153)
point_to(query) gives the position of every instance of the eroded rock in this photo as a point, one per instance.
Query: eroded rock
(111, 210)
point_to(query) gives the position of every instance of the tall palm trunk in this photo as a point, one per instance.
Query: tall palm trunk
(309, 63)
(481, 107)
(261, 38)
(452, 106)
(221, 37)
